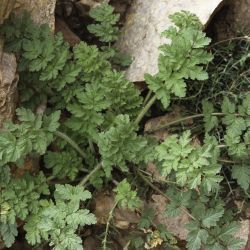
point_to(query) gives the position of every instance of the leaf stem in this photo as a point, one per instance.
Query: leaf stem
(228, 161)
(247, 38)
(71, 142)
(80, 151)
(104, 242)
(87, 177)
(147, 97)
(181, 120)
(145, 109)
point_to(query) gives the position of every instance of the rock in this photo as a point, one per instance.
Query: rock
(6, 8)
(89, 3)
(84, 6)
(175, 225)
(241, 14)
(140, 37)
(42, 11)
(122, 218)
(91, 243)
(243, 233)
(228, 22)
(156, 176)
(68, 34)
(120, 7)
(8, 84)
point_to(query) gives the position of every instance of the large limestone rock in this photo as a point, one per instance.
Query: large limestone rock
(146, 20)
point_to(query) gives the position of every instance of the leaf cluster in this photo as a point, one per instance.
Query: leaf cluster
(57, 221)
(126, 197)
(184, 58)
(33, 134)
(192, 165)
(59, 162)
(120, 144)
(105, 27)
(210, 229)
(235, 118)
(100, 111)
(19, 198)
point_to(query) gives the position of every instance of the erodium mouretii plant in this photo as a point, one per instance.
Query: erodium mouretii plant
(79, 114)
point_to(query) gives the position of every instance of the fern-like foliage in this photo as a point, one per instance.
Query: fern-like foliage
(8, 233)
(178, 201)
(33, 134)
(59, 162)
(105, 27)
(87, 114)
(119, 144)
(235, 117)
(100, 113)
(182, 59)
(57, 222)
(237, 127)
(91, 61)
(211, 229)
(122, 95)
(126, 197)
(192, 165)
(19, 198)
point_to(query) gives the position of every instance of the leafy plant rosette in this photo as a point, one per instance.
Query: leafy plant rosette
(90, 129)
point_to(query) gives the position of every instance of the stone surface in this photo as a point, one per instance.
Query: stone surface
(8, 83)
(6, 8)
(140, 37)
(232, 20)
(68, 34)
(243, 233)
(176, 225)
(42, 11)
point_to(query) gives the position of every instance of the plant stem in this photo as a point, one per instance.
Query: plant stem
(50, 178)
(78, 149)
(247, 38)
(87, 177)
(71, 142)
(147, 97)
(91, 146)
(227, 161)
(222, 146)
(230, 188)
(182, 120)
(104, 242)
(145, 109)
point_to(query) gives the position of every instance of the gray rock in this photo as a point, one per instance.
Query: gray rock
(140, 37)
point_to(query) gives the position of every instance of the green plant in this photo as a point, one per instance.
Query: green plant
(57, 221)
(193, 165)
(106, 20)
(106, 30)
(97, 131)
